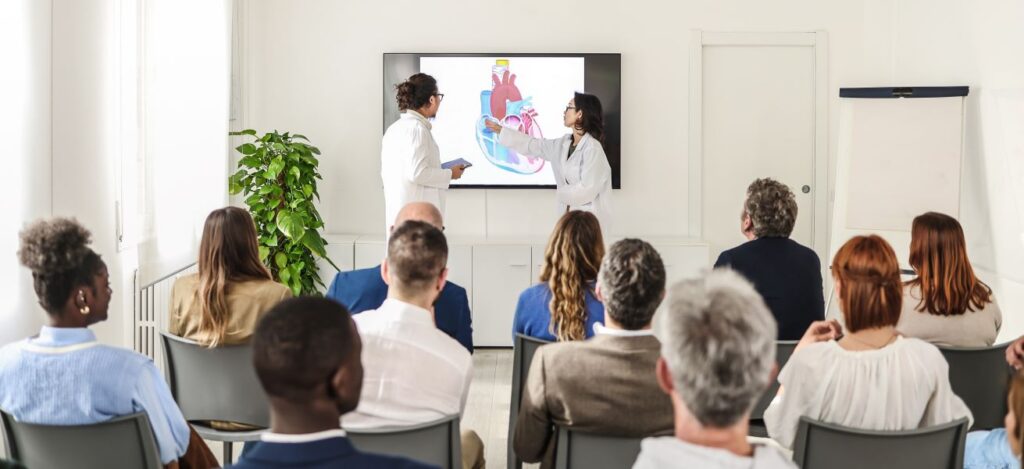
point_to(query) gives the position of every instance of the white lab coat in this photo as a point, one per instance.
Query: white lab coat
(410, 166)
(583, 181)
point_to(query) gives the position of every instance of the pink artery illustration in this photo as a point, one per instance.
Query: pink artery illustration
(505, 104)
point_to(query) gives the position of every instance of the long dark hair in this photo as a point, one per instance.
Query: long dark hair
(228, 252)
(415, 92)
(592, 119)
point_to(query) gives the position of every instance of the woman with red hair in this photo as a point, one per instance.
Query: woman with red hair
(872, 377)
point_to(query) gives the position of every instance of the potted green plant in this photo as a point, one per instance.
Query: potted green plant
(278, 175)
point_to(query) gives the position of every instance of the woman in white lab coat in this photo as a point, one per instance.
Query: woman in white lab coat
(583, 176)
(410, 161)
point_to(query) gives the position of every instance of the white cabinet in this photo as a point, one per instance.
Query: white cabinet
(339, 250)
(500, 273)
(537, 265)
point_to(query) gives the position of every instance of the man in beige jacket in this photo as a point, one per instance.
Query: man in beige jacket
(605, 385)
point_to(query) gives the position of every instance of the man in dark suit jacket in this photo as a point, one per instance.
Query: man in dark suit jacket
(298, 343)
(785, 273)
(365, 289)
(606, 384)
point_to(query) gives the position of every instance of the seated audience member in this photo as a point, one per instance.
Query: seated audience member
(606, 384)
(306, 353)
(871, 378)
(1015, 353)
(946, 304)
(1000, 448)
(785, 273)
(63, 376)
(222, 303)
(365, 289)
(414, 372)
(717, 358)
(563, 305)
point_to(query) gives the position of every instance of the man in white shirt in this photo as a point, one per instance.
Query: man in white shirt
(414, 373)
(410, 161)
(717, 357)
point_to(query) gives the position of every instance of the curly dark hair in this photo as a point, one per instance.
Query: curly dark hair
(58, 254)
(415, 92)
(772, 208)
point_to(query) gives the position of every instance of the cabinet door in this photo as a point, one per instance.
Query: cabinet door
(538, 262)
(340, 251)
(369, 254)
(500, 273)
(683, 261)
(460, 267)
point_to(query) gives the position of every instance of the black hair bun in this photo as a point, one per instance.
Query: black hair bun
(54, 245)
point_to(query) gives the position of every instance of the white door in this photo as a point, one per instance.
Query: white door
(758, 109)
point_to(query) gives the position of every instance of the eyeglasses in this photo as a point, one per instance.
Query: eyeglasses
(440, 96)
(567, 108)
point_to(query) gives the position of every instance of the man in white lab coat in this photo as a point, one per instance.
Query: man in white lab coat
(410, 161)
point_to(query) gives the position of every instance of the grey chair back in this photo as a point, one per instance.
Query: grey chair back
(822, 445)
(981, 377)
(125, 441)
(783, 350)
(215, 383)
(438, 442)
(523, 349)
(577, 450)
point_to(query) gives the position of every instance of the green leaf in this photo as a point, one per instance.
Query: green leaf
(280, 260)
(300, 136)
(315, 243)
(264, 252)
(244, 132)
(277, 146)
(250, 161)
(275, 167)
(307, 190)
(315, 150)
(246, 148)
(291, 225)
(295, 172)
(263, 191)
(234, 185)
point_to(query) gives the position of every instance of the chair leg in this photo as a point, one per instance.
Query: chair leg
(228, 453)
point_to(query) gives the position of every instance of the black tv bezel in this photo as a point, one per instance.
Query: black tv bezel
(612, 108)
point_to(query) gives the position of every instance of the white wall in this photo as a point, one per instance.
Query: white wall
(84, 146)
(314, 66)
(25, 131)
(978, 44)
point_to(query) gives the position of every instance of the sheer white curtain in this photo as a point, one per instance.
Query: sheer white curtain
(185, 109)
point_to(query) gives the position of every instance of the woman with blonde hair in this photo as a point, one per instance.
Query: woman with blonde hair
(563, 306)
(946, 304)
(222, 303)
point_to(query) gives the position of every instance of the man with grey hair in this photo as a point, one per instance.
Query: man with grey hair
(605, 385)
(717, 358)
(785, 273)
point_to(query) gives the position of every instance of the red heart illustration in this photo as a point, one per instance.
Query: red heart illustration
(504, 90)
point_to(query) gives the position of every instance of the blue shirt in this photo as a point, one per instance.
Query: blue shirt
(64, 377)
(989, 450)
(364, 289)
(320, 454)
(533, 317)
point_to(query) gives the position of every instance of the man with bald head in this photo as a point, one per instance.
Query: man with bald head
(366, 289)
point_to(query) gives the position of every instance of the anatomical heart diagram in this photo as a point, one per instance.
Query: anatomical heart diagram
(505, 104)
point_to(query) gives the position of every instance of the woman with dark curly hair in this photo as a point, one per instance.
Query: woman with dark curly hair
(63, 376)
(583, 177)
(785, 273)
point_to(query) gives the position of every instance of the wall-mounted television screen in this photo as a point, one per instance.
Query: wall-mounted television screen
(528, 92)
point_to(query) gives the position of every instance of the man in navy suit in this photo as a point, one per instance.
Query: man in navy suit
(784, 272)
(366, 289)
(306, 352)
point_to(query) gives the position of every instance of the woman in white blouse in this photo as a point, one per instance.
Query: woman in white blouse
(946, 304)
(410, 161)
(871, 378)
